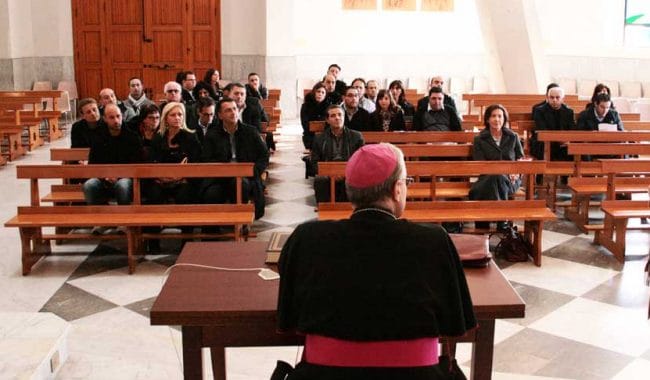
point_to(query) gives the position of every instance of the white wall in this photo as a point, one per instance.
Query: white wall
(20, 29)
(583, 39)
(243, 27)
(385, 43)
(51, 28)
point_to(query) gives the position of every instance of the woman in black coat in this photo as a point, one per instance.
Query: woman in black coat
(388, 116)
(174, 143)
(494, 143)
(313, 109)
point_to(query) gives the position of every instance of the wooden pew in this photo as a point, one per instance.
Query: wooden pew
(403, 137)
(482, 100)
(532, 212)
(14, 120)
(583, 188)
(44, 112)
(30, 220)
(617, 215)
(437, 171)
(637, 125)
(560, 168)
(619, 212)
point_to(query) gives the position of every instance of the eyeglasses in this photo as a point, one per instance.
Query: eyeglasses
(408, 181)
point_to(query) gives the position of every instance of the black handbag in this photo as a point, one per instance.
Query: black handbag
(513, 247)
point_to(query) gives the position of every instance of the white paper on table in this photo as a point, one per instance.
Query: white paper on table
(606, 127)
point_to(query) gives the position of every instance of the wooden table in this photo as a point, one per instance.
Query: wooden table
(221, 309)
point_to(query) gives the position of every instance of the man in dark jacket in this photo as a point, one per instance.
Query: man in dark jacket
(88, 129)
(255, 88)
(205, 119)
(600, 115)
(448, 101)
(234, 141)
(118, 146)
(356, 117)
(436, 116)
(553, 115)
(335, 143)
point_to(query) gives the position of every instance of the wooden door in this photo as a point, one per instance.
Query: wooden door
(151, 39)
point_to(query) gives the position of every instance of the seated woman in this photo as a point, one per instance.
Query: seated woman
(212, 77)
(396, 89)
(496, 142)
(202, 90)
(174, 143)
(388, 116)
(600, 88)
(313, 109)
(145, 125)
(372, 293)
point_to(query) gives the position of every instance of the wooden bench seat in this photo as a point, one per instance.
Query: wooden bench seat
(532, 212)
(617, 215)
(30, 220)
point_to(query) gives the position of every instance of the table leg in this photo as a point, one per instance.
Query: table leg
(192, 360)
(218, 355)
(483, 350)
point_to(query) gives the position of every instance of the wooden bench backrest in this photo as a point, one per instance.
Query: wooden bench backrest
(275, 93)
(630, 116)
(589, 136)
(69, 154)
(615, 167)
(418, 137)
(436, 150)
(436, 169)
(637, 125)
(577, 149)
(134, 171)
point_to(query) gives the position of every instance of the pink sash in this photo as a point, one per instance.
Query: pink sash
(393, 353)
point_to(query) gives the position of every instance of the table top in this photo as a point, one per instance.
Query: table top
(203, 297)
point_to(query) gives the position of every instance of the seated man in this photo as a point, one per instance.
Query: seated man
(371, 91)
(106, 97)
(372, 294)
(554, 115)
(172, 92)
(535, 106)
(364, 102)
(448, 101)
(118, 146)
(335, 143)
(204, 120)
(436, 116)
(251, 112)
(234, 141)
(255, 88)
(356, 117)
(335, 70)
(88, 129)
(600, 115)
(331, 95)
(188, 82)
(136, 98)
